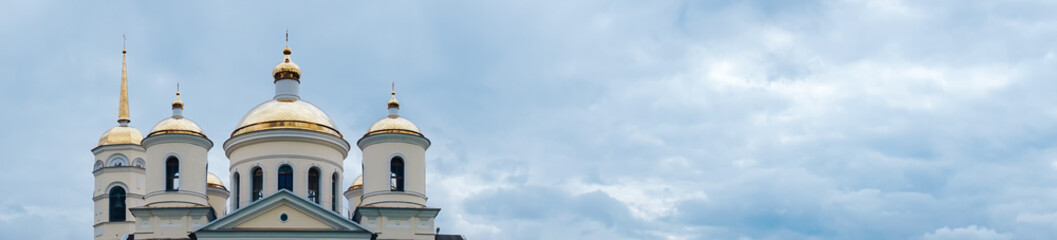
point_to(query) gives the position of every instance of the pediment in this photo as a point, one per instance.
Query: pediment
(272, 219)
(268, 215)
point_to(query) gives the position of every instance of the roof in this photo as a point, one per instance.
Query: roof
(213, 181)
(393, 124)
(177, 124)
(307, 220)
(449, 237)
(121, 135)
(286, 114)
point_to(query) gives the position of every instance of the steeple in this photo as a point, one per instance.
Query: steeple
(122, 112)
(123, 133)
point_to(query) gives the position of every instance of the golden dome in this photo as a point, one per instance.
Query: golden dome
(393, 103)
(177, 124)
(287, 68)
(121, 135)
(213, 181)
(177, 103)
(357, 184)
(393, 124)
(286, 114)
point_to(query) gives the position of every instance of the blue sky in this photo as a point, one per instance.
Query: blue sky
(856, 119)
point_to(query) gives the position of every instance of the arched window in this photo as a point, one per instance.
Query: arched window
(396, 174)
(334, 192)
(117, 204)
(313, 185)
(238, 189)
(286, 178)
(258, 182)
(139, 163)
(172, 174)
(118, 161)
(98, 165)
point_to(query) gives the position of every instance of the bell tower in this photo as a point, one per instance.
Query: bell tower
(119, 171)
(393, 195)
(176, 202)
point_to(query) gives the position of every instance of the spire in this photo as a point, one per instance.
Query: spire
(122, 112)
(393, 104)
(177, 105)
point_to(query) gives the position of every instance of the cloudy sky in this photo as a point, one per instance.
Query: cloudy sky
(856, 119)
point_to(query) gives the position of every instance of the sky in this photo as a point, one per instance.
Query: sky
(741, 119)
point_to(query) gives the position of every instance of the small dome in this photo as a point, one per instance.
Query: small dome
(121, 135)
(286, 68)
(393, 124)
(286, 114)
(213, 181)
(393, 103)
(177, 103)
(177, 124)
(357, 184)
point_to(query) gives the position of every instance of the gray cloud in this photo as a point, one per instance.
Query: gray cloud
(598, 120)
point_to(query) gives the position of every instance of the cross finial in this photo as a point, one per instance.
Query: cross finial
(288, 37)
(177, 105)
(123, 40)
(393, 104)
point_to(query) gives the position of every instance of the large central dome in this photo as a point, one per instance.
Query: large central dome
(286, 114)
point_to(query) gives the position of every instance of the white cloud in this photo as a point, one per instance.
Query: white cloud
(647, 199)
(966, 233)
(1038, 218)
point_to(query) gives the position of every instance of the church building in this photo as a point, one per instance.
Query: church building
(286, 161)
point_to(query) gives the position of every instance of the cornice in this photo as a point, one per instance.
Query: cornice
(286, 135)
(128, 196)
(286, 156)
(184, 192)
(223, 192)
(177, 138)
(105, 170)
(117, 147)
(393, 137)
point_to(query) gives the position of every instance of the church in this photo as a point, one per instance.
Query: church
(286, 165)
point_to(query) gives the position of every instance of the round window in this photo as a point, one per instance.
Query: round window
(283, 217)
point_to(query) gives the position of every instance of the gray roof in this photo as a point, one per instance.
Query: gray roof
(449, 237)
